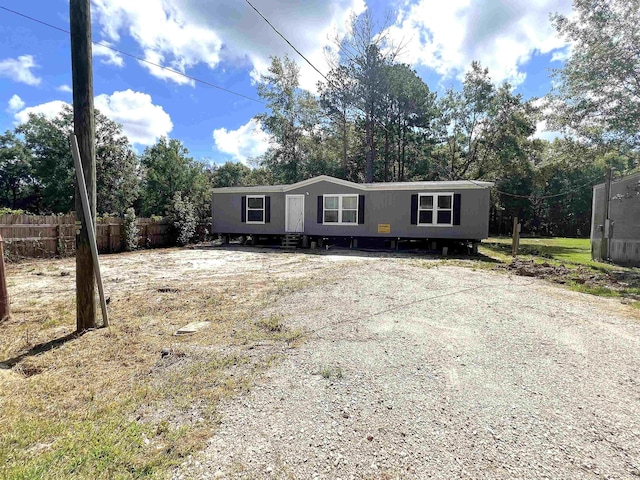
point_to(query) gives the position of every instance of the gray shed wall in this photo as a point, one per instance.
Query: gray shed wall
(391, 207)
(624, 213)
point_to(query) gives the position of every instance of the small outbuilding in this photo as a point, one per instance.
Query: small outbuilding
(327, 207)
(616, 237)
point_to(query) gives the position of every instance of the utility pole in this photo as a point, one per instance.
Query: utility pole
(84, 129)
(606, 227)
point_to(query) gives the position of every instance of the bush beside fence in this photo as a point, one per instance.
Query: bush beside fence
(54, 235)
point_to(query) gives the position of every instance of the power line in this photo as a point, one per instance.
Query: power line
(544, 197)
(285, 39)
(330, 82)
(140, 59)
(529, 197)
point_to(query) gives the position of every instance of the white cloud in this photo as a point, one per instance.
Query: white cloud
(246, 142)
(166, 36)
(49, 110)
(183, 33)
(19, 69)
(111, 57)
(542, 130)
(65, 88)
(501, 34)
(141, 120)
(163, 73)
(15, 103)
(561, 55)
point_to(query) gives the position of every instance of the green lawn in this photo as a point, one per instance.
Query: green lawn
(584, 275)
(576, 251)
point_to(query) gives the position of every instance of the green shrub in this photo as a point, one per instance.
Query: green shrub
(130, 230)
(182, 215)
(9, 211)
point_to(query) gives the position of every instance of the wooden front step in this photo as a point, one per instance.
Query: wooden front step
(290, 241)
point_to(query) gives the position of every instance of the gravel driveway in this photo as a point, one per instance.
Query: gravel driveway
(427, 371)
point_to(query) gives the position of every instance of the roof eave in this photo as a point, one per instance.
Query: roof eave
(463, 184)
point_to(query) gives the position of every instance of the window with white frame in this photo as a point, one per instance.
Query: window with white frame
(340, 209)
(255, 208)
(435, 209)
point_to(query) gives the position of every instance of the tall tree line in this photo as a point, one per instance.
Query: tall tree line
(375, 120)
(37, 176)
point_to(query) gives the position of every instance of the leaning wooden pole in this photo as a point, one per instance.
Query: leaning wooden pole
(84, 129)
(4, 293)
(90, 225)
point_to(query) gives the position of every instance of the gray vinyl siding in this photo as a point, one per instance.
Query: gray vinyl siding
(391, 207)
(227, 211)
(624, 213)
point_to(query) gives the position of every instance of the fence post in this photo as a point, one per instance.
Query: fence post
(57, 249)
(4, 294)
(516, 237)
(110, 248)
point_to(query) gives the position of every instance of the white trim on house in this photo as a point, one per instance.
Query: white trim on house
(340, 208)
(435, 209)
(286, 214)
(263, 209)
(457, 184)
(325, 178)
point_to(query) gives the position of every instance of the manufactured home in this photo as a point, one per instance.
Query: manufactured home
(620, 232)
(326, 207)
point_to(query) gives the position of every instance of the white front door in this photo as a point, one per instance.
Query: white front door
(294, 214)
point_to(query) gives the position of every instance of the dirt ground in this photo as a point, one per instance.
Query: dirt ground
(410, 369)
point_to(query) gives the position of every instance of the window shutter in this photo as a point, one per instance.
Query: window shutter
(267, 209)
(243, 214)
(361, 209)
(456, 208)
(414, 209)
(320, 206)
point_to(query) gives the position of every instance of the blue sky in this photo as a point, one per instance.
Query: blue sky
(226, 43)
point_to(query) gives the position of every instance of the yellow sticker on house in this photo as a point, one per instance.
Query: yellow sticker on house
(384, 228)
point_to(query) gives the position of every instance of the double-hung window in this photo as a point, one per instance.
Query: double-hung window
(340, 209)
(435, 209)
(255, 208)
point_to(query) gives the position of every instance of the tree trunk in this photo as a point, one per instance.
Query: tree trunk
(369, 132)
(404, 149)
(345, 143)
(386, 155)
(398, 154)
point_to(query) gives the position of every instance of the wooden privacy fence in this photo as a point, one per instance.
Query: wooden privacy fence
(55, 235)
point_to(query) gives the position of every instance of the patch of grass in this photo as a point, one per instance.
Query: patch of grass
(574, 251)
(107, 404)
(331, 373)
(271, 324)
(594, 290)
(272, 328)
